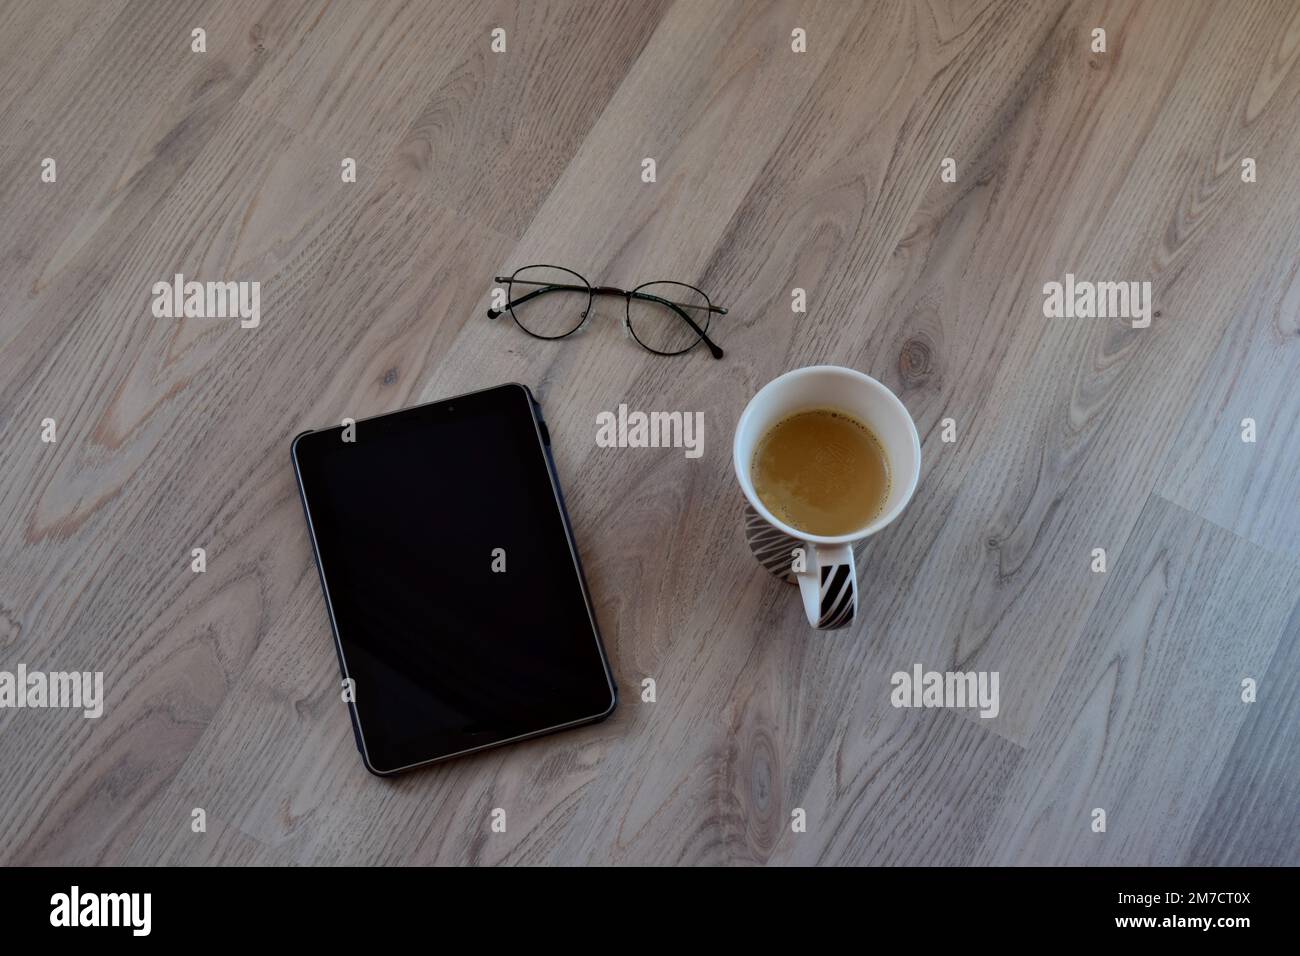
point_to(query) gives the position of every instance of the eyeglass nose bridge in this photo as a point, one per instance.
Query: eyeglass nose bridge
(608, 290)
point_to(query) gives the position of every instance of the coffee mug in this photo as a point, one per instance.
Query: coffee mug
(823, 565)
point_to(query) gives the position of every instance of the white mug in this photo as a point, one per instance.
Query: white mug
(823, 565)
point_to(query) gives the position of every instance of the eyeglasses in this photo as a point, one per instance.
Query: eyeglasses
(667, 318)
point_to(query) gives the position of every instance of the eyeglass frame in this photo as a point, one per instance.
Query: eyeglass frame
(627, 294)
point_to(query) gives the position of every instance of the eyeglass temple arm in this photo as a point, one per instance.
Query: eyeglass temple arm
(493, 313)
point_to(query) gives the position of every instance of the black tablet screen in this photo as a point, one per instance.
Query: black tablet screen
(456, 598)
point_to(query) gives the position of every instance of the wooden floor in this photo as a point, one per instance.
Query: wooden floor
(775, 170)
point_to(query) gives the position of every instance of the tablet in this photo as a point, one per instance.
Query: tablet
(460, 613)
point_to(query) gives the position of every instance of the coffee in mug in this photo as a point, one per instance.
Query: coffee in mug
(822, 471)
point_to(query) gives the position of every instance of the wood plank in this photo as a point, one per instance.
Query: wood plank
(1252, 488)
(40, 42)
(362, 71)
(1153, 705)
(1251, 817)
(500, 130)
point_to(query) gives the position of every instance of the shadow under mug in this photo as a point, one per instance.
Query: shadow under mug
(823, 565)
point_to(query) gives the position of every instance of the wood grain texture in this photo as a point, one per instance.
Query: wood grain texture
(1253, 375)
(775, 170)
(1152, 704)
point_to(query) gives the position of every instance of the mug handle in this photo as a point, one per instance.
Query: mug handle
(829, 586)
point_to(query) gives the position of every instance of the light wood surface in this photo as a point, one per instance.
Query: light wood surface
(775, 170)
